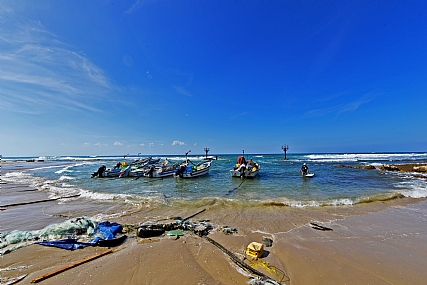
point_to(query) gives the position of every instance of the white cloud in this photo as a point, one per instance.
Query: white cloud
(178, 143)
(151, 144)
(118, 144)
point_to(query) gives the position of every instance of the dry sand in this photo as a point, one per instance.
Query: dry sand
(375, 243)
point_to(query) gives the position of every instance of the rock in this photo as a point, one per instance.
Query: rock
(370, 167)
(267, 242)
(422, 168)
(390, 167)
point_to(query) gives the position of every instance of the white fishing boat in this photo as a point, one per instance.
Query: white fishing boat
(161, 171)
(139, 167)
(245, 169)
(190, 170)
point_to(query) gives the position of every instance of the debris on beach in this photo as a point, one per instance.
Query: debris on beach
(157, 228)
(319, 227)
(228, 230)
(65, 235)
(267, 242)
(270, 268)
(104, 233)
(152, 229)
(11, 280)
(255, 249)
(262, 281)
(39, 201)
(260, 276)
(62, 269)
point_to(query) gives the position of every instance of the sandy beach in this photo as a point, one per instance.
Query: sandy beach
(373, 243)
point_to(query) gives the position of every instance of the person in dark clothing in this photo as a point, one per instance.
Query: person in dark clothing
(100, 171)
(304, 169)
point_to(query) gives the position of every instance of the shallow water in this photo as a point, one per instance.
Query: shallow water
(279, 181)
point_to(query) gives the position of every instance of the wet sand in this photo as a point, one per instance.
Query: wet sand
(375, 243)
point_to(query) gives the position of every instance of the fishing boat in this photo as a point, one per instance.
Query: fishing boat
(136, 168)
(111, 173)
(161, 171)
(191, 170)
(150, 167)
(124, 171)
(114, 172)
(245, 169)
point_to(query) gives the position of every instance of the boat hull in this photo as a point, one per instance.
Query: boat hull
(163, 174)
(247, 173)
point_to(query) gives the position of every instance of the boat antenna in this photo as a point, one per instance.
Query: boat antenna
(186, 154)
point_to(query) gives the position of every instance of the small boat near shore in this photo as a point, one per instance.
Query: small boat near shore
(191, 170)
(245, 169)
(123, 169)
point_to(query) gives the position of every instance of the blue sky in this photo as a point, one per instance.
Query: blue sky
(163, 77)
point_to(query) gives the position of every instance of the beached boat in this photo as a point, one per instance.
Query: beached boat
(190, 170)
(245, 169)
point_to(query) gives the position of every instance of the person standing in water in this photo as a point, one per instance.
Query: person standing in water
(304, 169)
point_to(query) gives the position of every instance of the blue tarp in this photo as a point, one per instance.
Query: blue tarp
(69, 243)
(106, 229)
(109, 230)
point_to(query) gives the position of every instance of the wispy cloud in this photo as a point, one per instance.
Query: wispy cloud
(239, 115)
(136, 6)
(39, 73)
(181, 90)
(342, 108)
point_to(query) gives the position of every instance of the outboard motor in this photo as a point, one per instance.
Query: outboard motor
(180, 170)
(150, 171)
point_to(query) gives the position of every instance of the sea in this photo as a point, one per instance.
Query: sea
(340, 179)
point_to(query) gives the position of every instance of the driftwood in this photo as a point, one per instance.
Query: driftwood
(10, 281)
(38, 201)
(62, 269)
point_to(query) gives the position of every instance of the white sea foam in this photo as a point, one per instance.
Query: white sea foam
(65, 169)
(352, 157)
(414, 188)
(65, 177)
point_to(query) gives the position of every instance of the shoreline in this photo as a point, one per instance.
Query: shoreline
(373, 243)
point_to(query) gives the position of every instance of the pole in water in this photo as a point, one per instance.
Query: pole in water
(285, 147)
